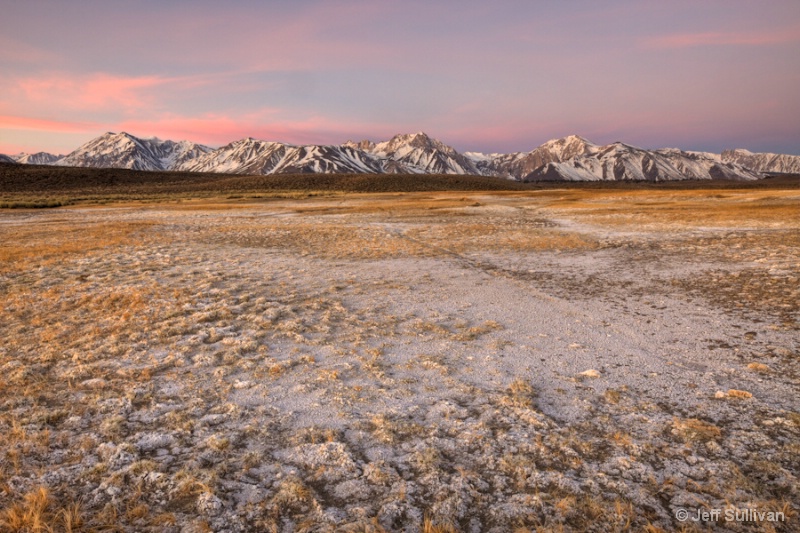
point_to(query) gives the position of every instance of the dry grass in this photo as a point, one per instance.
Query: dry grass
(694, 430)
(429, 526)
(758, 367)
(739, 394)
(38, 513)
(654, 209)
(26, 247)
(157, 361)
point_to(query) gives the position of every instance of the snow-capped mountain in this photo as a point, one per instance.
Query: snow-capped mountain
(619, 161)
(416, 153)
(763, 162)
(250, 156)
(7, 160)
(246, 156)
(519, 165)
(179, 153)
(122, 150)
(571, 158)
(409, 154)
(328, 159)
(39, 158)
(365, 145)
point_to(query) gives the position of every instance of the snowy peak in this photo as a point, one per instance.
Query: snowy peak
(178, 153)
(328, 159)
(39, 158)
(566, 147)
(7, 160)
(623, 162)
(245, 156)
(410, 153)
(365, 145)
(417, 153)
(418, 141)
(763, 162)
(112, 150)
(251, 156)
(521, 164)
(123, 150)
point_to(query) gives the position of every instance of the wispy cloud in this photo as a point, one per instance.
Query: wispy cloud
(16, 51)
(717, 38)
(37, 124)
(95, 92)
(265, 124)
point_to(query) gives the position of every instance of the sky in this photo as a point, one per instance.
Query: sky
(500, 76)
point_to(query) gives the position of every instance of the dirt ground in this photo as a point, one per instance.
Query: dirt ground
(554, 360)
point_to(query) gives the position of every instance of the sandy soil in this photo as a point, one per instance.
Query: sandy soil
(539, 361)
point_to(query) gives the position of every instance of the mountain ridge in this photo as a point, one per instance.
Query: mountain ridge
(570, 158)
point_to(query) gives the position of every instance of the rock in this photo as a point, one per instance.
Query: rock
(591, 373)
(94, 383)
(209, 504)
(153, 441)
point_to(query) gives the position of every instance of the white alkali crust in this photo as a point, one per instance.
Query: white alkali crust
(488, 362)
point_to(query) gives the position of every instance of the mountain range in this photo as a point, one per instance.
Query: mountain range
(571, 158)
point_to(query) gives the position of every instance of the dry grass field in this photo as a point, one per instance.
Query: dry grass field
(524, 360)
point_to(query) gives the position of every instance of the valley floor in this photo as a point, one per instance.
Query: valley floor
(513, 361)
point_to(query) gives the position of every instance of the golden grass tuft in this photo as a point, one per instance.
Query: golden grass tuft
(429, 526)
(37, 513)
(758, 367)
(739, 394)
(520, 393)
(692, 429)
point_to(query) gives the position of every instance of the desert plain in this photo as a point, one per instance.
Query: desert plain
(534, 360)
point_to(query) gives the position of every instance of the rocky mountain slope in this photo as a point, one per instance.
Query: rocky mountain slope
(39, 158)
(250, 156)
(122, 150)
(763, 162)
(619, 161)
(420, 154)
(521, 164)
(571, 158)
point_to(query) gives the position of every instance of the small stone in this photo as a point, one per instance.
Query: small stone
(591, 373)
(94, 383)
(734, 393)
(719, 395)
(209, 504)
(153, 441)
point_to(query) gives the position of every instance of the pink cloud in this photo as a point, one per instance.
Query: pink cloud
(36, 124)
(215, 129)
(92, 92)
(13, 50)
(689, 40)
(266, 124)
